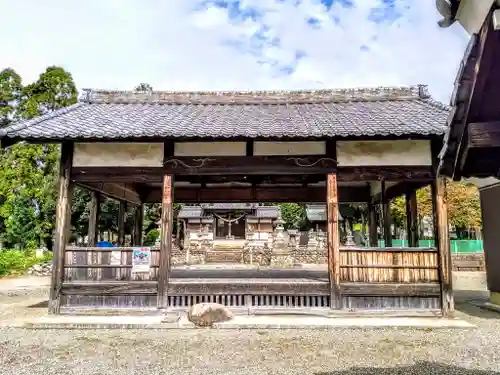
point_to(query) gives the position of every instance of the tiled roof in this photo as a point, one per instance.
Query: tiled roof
(268, 212)
(276, 114)
(316, 212)
(189, 212)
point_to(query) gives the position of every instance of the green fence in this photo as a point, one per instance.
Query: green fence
(457, 246)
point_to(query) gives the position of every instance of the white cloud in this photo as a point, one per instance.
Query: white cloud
(177, 45)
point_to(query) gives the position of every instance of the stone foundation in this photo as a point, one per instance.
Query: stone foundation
(284, 258)
(255, 255)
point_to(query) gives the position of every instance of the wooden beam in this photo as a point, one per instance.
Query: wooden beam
(372, 223)
(443, 245)
(118, 191)
(110, 288)
(260, 194)
(332, 205)
(386, 173)
(187, 287)
(487, 55)
(199, 286)
(121, 223)
(400, 189)
(253, 165)
(390, 289)
(166, 224)
(95, 209)
(63, 226)
(386, 217)
(484, 134)
(412, 218)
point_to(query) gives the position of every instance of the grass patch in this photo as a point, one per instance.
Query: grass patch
(16, 262)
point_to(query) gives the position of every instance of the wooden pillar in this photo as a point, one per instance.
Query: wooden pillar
(386, 217)
(372, 222)
(411, 218)
(95, 208)
(138, 222)
(178, 231)
(121, 223)
(166, 239)
(441, 230)
(63, 226)
(333, 241)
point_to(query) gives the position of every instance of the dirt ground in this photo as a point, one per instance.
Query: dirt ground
(256, 352)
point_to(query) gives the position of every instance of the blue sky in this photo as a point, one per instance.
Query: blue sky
(233, 44)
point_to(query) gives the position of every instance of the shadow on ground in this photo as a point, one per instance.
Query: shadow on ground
(39, 305)
(418, 368)
(469, 301)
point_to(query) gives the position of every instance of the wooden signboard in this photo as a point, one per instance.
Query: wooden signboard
(141, 259)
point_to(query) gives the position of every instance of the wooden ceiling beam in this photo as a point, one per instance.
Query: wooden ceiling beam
(121, 192)
(284, 194)
(399, 189)
(345, 174)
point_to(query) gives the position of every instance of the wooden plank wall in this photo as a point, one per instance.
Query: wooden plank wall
(390, 278)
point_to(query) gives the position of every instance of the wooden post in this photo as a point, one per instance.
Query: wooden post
(95, 208)
(166, 239)
(178, 231)
(443, 245)
(372, 222)
(411, 218)
(63, 226)
(138, 222)
(333, 241)
(386, 217)
(121, 223)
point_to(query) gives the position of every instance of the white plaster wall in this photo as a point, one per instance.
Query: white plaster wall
(103, 154)
(210, 149)
(380, 153)
(289, 148)
(472, 13)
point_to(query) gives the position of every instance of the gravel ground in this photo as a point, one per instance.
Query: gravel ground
(221, 352)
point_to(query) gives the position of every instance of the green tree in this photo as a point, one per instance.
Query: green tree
(293, 214)
(464, 209)
(10, 93)
(28, 172)
(53, 90)
(143, 87)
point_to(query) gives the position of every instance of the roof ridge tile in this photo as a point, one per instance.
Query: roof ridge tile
(256, 97)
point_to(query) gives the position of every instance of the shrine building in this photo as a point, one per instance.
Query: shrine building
(224, 155)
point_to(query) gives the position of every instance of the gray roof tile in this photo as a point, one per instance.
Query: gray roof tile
(277, 114)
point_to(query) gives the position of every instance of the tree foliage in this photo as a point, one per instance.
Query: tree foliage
(28, 172)
(464, 209)
(10, 93)
(143, 87)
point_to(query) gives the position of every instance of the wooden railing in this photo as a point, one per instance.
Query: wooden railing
(380, 277)
(94, 264)
(390, 264)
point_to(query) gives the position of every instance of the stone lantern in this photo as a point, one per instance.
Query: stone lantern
(279, 241)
